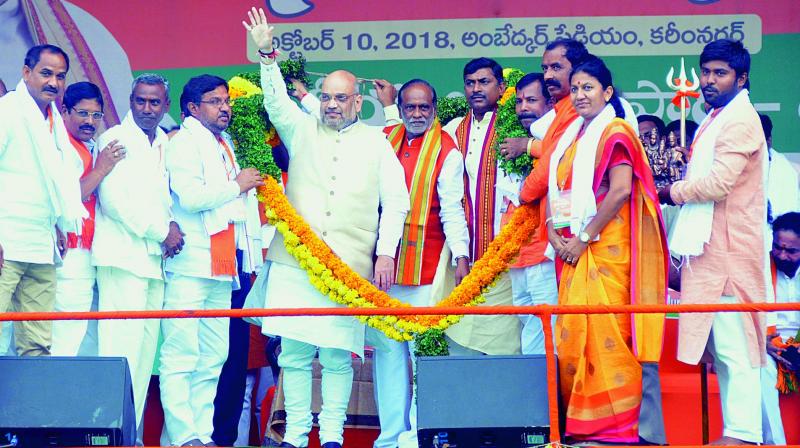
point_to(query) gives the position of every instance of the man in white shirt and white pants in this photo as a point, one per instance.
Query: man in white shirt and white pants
(214, 203)
(134, 233)
(341, 171)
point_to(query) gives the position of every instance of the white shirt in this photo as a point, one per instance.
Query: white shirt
(782, 185)
(27, 220)
(787, 289)
(133, 212)
(292, 122)
(206, 198)
(472, 162)
(449, 185)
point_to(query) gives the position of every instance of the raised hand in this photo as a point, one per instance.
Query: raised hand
(386, 91)
(259, 29)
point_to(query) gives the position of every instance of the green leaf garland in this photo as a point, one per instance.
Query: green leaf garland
(508, 126)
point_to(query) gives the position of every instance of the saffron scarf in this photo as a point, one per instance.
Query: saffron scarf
(86, 236)
(480, 209)
(421, 190)
(223, 244)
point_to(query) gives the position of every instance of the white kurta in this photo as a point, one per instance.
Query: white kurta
(133, 212)
(39, 172)
(472, 162)
(338, 180)
(206, 199)
(782, 185)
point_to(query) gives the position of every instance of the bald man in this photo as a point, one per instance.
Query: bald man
(341, 172)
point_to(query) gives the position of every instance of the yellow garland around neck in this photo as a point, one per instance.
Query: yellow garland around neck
(350, 289)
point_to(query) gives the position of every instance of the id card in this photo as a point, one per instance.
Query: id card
(561, 209)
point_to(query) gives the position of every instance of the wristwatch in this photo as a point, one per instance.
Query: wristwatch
(584, 237)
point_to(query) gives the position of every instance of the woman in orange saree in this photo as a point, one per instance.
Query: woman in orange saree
(605, 227)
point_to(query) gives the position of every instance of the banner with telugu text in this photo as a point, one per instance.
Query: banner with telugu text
(640, 40)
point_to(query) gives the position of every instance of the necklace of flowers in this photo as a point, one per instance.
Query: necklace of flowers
(334, 279)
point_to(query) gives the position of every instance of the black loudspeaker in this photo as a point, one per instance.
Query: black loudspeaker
(482, 401)
(66, 401)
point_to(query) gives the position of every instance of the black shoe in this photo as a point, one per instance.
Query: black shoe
(331, 445)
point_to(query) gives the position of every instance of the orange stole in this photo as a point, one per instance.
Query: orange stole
(223, 244)
(480, 209)
(600, 355)
(87, 228)
(423, 235)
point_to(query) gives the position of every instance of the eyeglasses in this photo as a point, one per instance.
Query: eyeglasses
(216, 102)
(339, 97)
(96, 116)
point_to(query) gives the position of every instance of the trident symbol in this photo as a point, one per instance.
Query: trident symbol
(683, 89)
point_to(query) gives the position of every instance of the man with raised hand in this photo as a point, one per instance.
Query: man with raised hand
(342, 171)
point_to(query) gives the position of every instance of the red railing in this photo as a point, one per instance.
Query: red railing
(544, 312)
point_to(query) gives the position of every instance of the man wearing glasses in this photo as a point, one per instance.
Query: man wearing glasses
(340, 172)
(214, 203)
(82, 110)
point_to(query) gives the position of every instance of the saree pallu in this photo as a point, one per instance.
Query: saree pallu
(600, 354)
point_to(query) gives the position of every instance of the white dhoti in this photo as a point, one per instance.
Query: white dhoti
(770, 407)
(74, 292)
(135, 339)
(394, 396)
(335, 336)
(192, 355)
(534, 285)
(741, 401)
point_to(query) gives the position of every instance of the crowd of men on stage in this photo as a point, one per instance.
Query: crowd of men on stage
(148, 222)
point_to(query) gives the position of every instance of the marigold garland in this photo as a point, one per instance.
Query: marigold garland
(327, 272)
(332, 277)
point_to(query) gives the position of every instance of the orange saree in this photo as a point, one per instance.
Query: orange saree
(599, 355)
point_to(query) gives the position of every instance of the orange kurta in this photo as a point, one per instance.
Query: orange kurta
(535, 186)
(600, 355)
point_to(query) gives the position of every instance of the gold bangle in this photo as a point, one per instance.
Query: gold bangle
(530, 143)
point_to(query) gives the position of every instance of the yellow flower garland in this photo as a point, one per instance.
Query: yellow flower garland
(333, 278)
